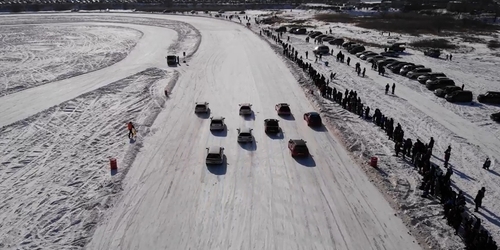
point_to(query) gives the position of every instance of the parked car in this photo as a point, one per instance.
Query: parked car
(281, 29)
(368, 55)
(439, 83)
(313, 119)
(217, 123)
(271, 126)
(395, 64)
(397, 69)
(283, 109)
(436, 79)
(328, 38)
(442, 92)
(397, 47)
(321, 50)
(171, 60)
(459, 96)
(375, 58)
(356, 49)
(298, 31)
(347, 44)
(298, 148)
(215, 155)
(384, 62)
(495, 117)
(363, 52)
(418, 72)
(336, 41)
(245, 135)
(489, 97)
(246, 109)
(404, 70)
(432, 53)
(389, 53)
(430, 76)
(201, 107)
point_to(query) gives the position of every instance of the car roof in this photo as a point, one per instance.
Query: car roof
(493, 92)
(217, 118)
(245, 104)
(201, 103)
(298, 142)
(271, 120)
(283, 104)
(245, 130)
(214, 149)
(313, 113)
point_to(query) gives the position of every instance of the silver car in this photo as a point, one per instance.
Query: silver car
(245, 135)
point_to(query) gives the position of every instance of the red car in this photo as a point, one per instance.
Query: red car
(283, 109)
(298, 147)
(313, 119)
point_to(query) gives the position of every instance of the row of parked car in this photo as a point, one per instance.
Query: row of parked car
(297, 147)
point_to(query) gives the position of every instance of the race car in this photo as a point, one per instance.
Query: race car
(271, 126)
(283, 109)
(201, 107)
(245, 135)
(245, 109)
(298, 148)
(313, 119)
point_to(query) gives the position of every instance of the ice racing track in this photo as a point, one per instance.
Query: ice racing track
(261, 198)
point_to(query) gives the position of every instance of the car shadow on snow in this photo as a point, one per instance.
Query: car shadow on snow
(204, 115)
(249, 146)
(219, 169)
(249, 117)
(491, 217)
(307, 162)
(321, 128)
(470, 104)
(288, 117)
(277, 136)
(219, 133)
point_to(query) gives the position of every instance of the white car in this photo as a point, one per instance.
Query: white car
(215, 155)
(245, 135)
(201, 107)
(217, 123)
(245, 109)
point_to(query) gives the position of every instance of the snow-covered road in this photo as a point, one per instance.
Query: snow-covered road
(262, 198)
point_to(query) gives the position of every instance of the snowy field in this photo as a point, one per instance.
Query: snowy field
(60, 51)
(57, 138)
(467, 128)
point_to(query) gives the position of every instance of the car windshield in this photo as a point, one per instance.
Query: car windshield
(213, 156)
(301, 148)
(314, 116)
(245, 134)
(201, 106)
(245, 108)
(272, 123)
(216, 122)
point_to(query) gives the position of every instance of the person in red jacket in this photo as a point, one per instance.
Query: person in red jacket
(131, 130)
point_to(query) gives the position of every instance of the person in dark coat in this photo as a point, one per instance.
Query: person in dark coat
(487, 164)
(431, 143)
(479, 198)
(393, 87)
(447, 154)
(387, 88)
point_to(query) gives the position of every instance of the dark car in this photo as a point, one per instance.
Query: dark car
(495, 117)
(283, 109)
(356, 49)
(396, 69)
(397, 47)
(313, 119)
(281, 29)
(489, 97)
(336, 41)
(384, 62)
(459, 96)
(432, 53)
(171, 60)
(347, 44)
(446, 90)
(271, 126)
(298, 147)
(439, 83)
(300, 31)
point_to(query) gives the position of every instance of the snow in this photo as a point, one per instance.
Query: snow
(467, 128)
(60, 126)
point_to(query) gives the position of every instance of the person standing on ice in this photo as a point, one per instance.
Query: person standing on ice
(393, 87)
(131, 130)
(479, 199)
(387, 88)
(364, 71)
(487, 164)
(447, 155)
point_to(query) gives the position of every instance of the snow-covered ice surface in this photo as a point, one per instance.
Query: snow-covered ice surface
(56, 138)
(261, 198)
(467, 128)
(60, 51)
